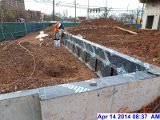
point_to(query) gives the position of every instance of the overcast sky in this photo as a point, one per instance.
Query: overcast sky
(46, 7)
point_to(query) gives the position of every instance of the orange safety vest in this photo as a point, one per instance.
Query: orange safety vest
(56, 28)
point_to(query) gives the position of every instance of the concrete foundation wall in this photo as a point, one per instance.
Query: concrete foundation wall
(119, 98)
(80, 101)
(152, 9)
(21, 108)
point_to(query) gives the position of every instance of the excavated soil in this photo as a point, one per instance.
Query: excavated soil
(144, 46)
(53, 65)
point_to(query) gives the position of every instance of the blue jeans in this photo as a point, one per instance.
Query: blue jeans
(56, 35)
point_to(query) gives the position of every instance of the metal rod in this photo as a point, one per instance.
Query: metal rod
(157, 106)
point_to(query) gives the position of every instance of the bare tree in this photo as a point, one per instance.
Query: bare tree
(9, 12)
(126, 18)
(48, 17)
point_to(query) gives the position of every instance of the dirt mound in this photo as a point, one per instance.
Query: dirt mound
(102, 21)
(106, 22)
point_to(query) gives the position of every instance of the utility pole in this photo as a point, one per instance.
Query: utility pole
(75, 10)
(106, 10)
(127, 7)
(88, 9)
(53, 10)
(142, 12)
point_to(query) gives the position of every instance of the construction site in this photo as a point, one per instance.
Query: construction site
(101, 66)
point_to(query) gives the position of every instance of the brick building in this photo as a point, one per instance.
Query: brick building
(33, 15)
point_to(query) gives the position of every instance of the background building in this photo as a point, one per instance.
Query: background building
(33, 15)
(151, 16)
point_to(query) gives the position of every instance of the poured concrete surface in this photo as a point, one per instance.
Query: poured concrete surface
(116, 98)
(22, 108)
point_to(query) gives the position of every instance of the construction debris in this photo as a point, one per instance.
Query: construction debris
(129, 31)
(41, 37)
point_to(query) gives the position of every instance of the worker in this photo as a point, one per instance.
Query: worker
(56, 31)
(56, 35)
(61, 30)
